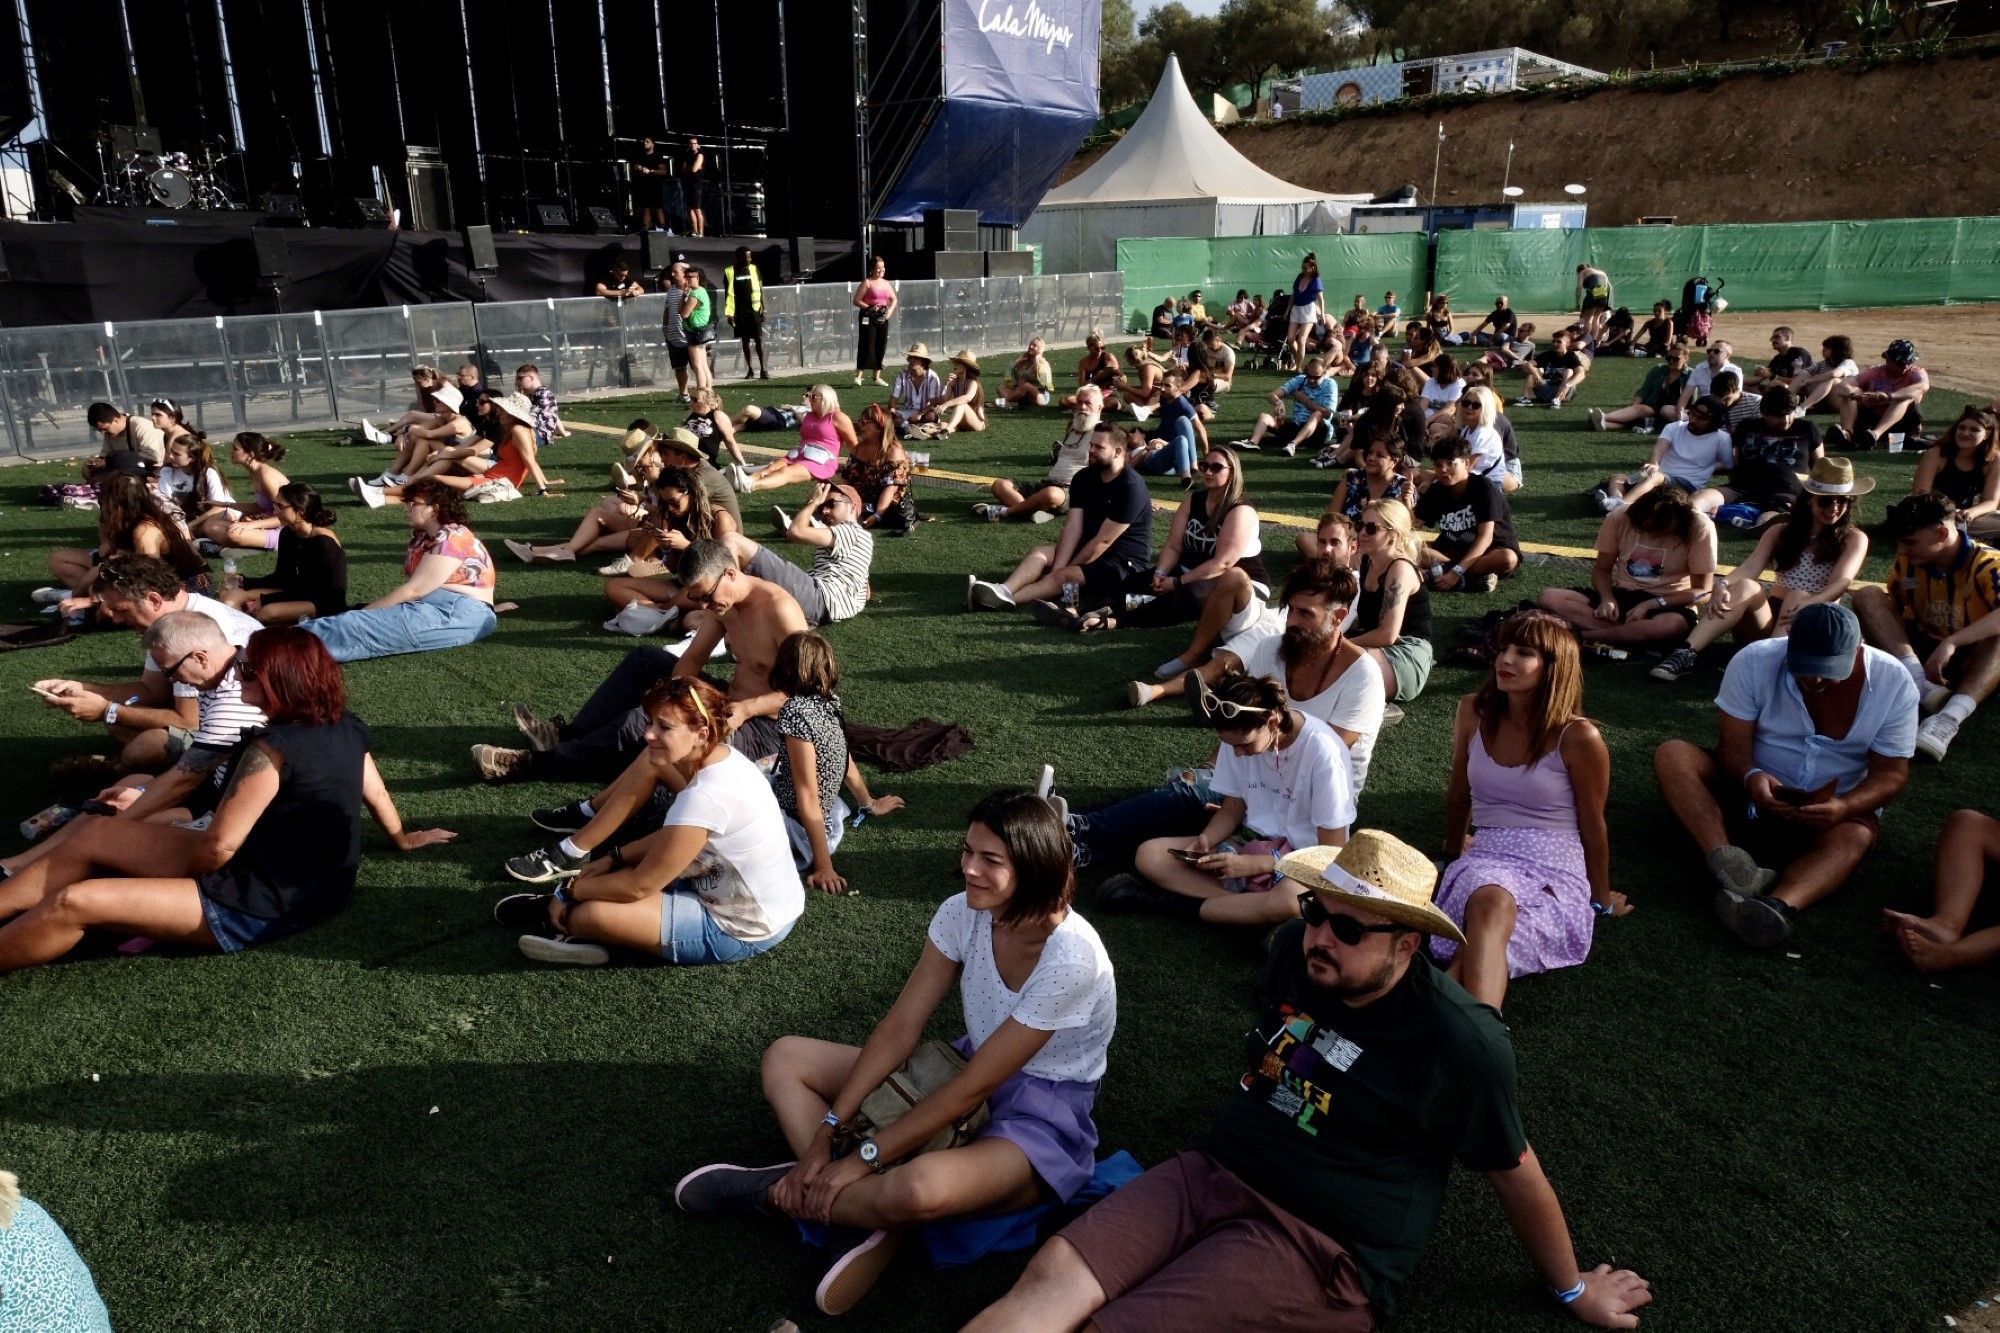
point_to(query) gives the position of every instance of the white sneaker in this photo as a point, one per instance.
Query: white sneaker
(1596, 415)
(1935, 697)
(521, 551)
(622, 565)
(989, 512)
(990, 596)
(1935, 734)
(1141, 412)
(48, 596)
(780, 520)
(370, 433)
(1041, 516)
(370, 495)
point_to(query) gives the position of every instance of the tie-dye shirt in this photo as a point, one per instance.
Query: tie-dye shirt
(475, 566)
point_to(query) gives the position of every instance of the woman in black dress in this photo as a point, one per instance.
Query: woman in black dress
(649, 186)
(311, 574)
(281, 853)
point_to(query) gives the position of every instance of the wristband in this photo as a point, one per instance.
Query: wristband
(1458, 570)
(1660, 602)
(830, 1120)
(1602, 909)
(1568, 1297)
(561, 895)
(111, 715)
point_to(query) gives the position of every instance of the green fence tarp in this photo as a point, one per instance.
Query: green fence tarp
(1158, 267)
(1765, 266)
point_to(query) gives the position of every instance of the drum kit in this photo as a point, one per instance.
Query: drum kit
(137, 173)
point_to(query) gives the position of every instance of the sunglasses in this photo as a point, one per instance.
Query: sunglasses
(1833, 501)
(1345, 928)
(181, 663)
(1213, 706)
(1370, 529)
(1215, 467)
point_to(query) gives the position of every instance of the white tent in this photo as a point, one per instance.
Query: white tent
(1171, 175)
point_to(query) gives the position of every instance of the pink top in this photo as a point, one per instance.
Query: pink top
(819, 445)
(1533, 796)
(877, 292)
(475, 566)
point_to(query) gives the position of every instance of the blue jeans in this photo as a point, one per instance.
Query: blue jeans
(1179, 455)
(439, 620)
(689, 936)
(1179, 806)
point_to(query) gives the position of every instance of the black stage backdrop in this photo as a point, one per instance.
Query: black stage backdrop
(98, 269)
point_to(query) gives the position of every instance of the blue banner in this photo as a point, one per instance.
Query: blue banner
(1020, 95)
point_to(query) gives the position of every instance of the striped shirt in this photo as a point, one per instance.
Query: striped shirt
(1940, 601)
(841, 570)
(223, 714)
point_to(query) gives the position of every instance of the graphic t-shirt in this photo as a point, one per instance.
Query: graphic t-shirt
(1655, 562)
(1941, 602)
(1789, 362)
(1123, 499)
(1881, 379)
(1350, 1117)
(1456, 518)
(1768, 462)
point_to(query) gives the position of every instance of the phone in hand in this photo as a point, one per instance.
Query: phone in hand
(51, 695)
(1794, 796)
(1190, 856)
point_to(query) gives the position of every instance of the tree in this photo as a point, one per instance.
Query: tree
(1254, 36)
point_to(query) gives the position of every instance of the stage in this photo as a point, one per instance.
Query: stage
(134, 264)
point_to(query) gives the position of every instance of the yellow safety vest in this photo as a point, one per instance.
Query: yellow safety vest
(729, 291)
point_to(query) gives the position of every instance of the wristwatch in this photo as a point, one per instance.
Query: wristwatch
(872, 1156)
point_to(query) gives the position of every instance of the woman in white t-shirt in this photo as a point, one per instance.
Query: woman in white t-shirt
(1478, 418)
(1040, 1006)
(1443, 387)
(1284, 780)
(715, 884)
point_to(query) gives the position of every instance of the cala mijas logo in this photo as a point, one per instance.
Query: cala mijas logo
(1031, 25)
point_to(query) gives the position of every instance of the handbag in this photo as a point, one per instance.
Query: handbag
(932, 1065)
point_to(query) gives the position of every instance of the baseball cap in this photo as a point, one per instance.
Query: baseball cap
(1822, 643)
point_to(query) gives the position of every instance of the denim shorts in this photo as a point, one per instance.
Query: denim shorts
(690, 937)
(236, 931)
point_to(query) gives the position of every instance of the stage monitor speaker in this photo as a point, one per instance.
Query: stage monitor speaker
(656, 249)
(1010, 263)
(284, 210)
(274, 263)
(370, 212)
(429, 186)
(480, 256)
(549, 217)
(804, 254)
(598, 220)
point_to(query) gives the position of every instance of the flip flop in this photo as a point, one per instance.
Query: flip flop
(1097, 622)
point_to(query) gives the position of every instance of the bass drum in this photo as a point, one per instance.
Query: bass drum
(170, 187)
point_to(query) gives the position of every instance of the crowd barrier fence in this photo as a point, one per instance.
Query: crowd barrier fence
(318, 369)
(1220, 266)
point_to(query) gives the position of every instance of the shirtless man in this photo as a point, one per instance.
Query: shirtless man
(747, 616)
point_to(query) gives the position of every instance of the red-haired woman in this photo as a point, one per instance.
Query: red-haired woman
(714, 884)
(280, 853)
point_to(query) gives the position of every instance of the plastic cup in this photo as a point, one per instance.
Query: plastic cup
(1895, 438)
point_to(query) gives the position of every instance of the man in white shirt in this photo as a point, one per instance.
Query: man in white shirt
(1701, 379)
(1817, 734)
(152, 718)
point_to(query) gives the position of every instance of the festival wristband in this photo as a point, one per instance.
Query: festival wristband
(830, 1120)
(1602, 909)
(1568, 1297)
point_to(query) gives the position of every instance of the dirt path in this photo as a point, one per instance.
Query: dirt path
(1959, 345)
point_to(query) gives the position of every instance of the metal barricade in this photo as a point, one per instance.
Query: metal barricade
(320, 369)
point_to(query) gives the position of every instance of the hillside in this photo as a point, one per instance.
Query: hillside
(1900, 140)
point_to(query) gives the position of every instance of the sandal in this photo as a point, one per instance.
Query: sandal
(1099, 621)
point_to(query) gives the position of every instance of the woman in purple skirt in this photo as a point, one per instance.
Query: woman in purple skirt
(1039, 1005)
(1529, 773)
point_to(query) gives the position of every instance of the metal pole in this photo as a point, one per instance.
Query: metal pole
(472, 103)
(1507, 176)
(722, 111)
(604, 57)
(229, 79)
(131, 64)
(1437, 160)
(326, 368)
(864, 204)
(660, 60)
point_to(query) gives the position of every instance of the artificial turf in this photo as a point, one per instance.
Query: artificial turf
(394, 1121)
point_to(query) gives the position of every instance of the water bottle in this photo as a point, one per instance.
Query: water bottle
(230, 578)
(1609, 653)
(48, 821)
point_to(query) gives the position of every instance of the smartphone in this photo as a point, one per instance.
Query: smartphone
(1192, 858)
(45, 694)
(1792, 795)
(94, 806)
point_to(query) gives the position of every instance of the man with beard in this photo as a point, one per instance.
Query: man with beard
(1109, 503)
(1320, 668)
(1318, 1186)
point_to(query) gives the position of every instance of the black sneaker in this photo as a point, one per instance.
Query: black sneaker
(1836, 438)
(1129, 893)
(568, 818)
(545, 865)
(1680, 662)
(723, 1190)
(522, 911)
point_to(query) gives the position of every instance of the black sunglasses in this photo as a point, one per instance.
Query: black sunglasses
(1345, 928)
(1215, 467)
(1369, 529)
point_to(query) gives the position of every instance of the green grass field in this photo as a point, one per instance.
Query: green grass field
(396, 1122)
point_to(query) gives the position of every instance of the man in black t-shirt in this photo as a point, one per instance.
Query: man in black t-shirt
(1554, 375)
(1501, 320)
(1369, 1073)
(1476, 546)
(1163, 322)
(1788, 359)
(1107, 537)
(1771, 452)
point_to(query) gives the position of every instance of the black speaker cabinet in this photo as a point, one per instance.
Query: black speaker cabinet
(480, 256)
(947, 265)
(804, 254)
(1010, 263)
(597, 220)
(274, 260)
(550, 217)
(430, 196)
(657, 248)
(951, 229)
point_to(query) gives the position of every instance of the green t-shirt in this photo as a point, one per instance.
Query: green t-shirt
(1351, 1118)
(1655, 391)
(698, 318)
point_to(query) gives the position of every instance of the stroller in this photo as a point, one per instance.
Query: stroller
(1701, 302)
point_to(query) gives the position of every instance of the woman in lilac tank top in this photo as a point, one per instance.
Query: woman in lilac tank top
(1529, 773)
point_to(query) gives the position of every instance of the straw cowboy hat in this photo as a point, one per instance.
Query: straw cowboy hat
(515, 405)
(636, 441)
(964, 358)
(1377, 873)
(920, 352)
(1835, 476)
(681, 439)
